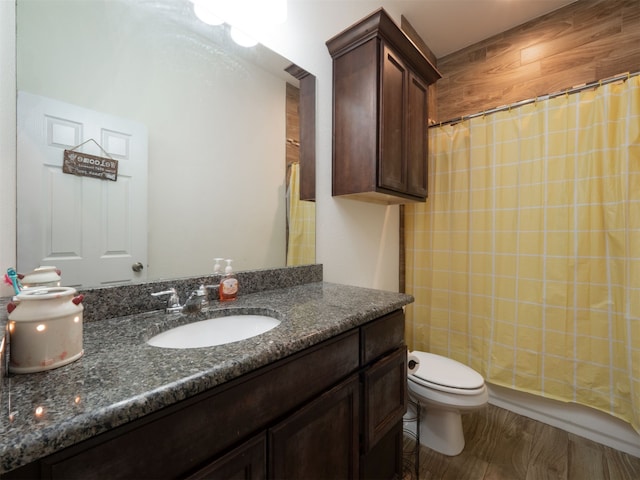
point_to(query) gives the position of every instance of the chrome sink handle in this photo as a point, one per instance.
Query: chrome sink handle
(173, 302)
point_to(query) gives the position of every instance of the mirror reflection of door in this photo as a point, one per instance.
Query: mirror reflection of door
(94, 230)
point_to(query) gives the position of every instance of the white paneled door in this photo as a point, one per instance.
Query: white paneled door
(94, 230)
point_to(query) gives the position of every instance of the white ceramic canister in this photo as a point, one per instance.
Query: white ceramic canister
(45, 329)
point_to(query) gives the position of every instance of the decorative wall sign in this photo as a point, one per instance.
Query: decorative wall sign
(85, 165)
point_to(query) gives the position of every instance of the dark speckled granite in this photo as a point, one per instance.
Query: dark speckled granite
(120, 378)
(119, 301)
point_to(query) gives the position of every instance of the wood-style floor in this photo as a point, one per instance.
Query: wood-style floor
(501, 445)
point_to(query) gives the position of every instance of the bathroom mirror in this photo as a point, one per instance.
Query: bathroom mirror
(214, 113)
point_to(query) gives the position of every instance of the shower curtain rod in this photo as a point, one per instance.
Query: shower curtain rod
(569, 91)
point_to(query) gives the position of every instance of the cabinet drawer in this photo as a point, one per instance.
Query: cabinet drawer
(381, 336)
(385, 396)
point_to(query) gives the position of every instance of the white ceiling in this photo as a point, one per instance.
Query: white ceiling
(450, 25)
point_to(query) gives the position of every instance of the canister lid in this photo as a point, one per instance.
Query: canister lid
(45, 293)
(45, 276)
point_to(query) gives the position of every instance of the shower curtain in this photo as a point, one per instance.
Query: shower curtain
(301, 217)
(525, 259)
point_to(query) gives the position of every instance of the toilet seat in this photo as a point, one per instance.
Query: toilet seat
(447, 375)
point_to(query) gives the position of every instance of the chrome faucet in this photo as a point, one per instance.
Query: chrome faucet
(173, 302)
(196, 300)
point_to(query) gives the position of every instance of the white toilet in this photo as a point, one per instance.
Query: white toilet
(444, 388)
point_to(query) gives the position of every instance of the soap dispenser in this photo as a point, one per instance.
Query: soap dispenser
(217, 267)
(229, 284)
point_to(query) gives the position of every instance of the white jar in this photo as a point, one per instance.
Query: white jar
(45, 329)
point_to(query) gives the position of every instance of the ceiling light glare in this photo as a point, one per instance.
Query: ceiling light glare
(242, 38)
(279, 11)
(249, 19)
(259, 13)
(204, 13)
(271, 12)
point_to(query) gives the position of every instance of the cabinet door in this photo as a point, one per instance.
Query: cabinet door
(320, 441)
(392, 172)
(355, 120)
(417, 123)
(384, 396)
(246, 462)
(384, 460)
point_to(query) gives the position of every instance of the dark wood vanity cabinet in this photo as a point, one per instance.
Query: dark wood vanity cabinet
(246, 462)
(380, 113)
(331, 411)
(383, 354)
(320, 441)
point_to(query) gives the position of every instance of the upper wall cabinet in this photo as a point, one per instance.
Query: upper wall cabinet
(380, 81)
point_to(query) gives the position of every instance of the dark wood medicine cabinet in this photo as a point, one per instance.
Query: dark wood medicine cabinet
(380, 113)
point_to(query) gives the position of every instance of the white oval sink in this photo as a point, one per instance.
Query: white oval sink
(214, 331)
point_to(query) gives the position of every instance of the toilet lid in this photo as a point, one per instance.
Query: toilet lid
(446, 372)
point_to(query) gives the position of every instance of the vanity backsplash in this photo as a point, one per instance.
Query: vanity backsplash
(119, 301)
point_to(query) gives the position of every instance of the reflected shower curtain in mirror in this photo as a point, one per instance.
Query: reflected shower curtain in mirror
(525, 260)
(301, 215)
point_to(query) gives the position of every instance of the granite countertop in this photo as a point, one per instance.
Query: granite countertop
(120, 378)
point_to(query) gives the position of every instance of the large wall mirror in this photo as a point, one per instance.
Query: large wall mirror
(207, 118)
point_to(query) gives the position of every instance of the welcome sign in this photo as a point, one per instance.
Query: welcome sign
(85, 165)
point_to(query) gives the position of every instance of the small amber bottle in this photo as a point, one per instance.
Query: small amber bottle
(229, 284)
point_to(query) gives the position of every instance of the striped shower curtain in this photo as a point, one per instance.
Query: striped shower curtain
(525, 260)
(301, 220)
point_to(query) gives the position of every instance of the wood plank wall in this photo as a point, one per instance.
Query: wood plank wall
(586, 41)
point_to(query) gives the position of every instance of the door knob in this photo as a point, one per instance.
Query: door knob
(137, 267)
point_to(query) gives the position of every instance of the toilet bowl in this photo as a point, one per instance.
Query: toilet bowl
(444, 388)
